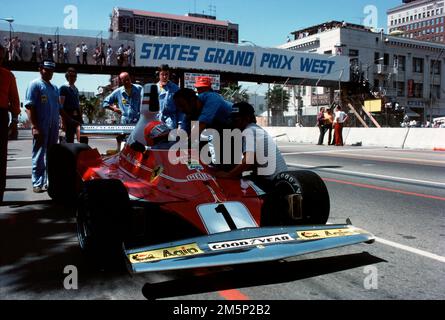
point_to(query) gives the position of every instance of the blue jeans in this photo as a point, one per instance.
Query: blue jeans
(40, 146)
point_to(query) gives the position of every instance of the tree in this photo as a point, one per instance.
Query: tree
(278, 101)
(91, 108)
(235, 93)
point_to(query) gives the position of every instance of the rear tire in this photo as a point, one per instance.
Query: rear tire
(65, 183)
(103, 221)
(313, 196)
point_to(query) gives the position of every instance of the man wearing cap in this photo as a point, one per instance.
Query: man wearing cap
(44, 111)
(259, 153)
(214, 110)
(168, 113)
(125, 100)
(9, 102)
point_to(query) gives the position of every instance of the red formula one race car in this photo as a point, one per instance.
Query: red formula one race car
(136, 206)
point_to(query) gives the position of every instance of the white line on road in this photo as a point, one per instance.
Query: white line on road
(18, 168)
(410, 249)
(364, 174)
(25, 158)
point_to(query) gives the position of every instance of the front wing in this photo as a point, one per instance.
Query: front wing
(243, 246)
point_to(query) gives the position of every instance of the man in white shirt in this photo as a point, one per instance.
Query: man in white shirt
(78, 51)
(84, 54)
(110, 52)
(339, 119)
(259, 152)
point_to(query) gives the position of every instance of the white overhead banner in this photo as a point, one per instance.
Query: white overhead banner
(225, 57)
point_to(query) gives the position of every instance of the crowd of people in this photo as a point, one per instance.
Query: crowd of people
(40, 50)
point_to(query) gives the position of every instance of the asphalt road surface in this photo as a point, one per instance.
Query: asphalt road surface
(399, 195)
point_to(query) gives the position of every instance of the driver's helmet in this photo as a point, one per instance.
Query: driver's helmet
(155, 132)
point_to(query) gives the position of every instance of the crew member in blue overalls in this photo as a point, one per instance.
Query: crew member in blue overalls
(44, 111)
(125, 100)
(168, 112)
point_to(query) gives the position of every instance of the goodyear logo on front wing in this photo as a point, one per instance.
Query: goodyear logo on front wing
(323, 234)
(165, 253)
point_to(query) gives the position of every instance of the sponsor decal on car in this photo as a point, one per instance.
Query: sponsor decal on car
(260, 242)
(165, 253)
(156, 173)
(199, 176)
(194, 165)
(323, 234)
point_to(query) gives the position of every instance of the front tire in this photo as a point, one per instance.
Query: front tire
(297, 198)
(103, 221)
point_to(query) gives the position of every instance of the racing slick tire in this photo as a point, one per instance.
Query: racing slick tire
(103, 222)
(64, 182)
(297, 198)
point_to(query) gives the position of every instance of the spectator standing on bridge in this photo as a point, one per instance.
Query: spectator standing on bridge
(109, 55)
(125, 100)
(78, 51)
(102, 54)
(66, 53)
(33, 52)
(44, 111)
(41, 44)
(49, 50)
(339, 120)
(84, 53)
(69, 99)
(168, 113)
(9, 102)
(120, 56)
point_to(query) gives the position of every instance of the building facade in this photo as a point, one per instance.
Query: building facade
(418, 19)
(409, 72)
(125, 23)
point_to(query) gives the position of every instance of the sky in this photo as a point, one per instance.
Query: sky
(266, 23)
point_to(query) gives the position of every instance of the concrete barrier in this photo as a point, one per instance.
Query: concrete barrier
(425, 138)
(373, 137)
(406, 138)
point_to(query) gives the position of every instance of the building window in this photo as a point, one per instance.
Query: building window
(418, 65)
(401, 63)
(152, 27)
(176, 29)
(436, 92)
(353, 53)
(211, 33)
(188, 31)
(386, 59)
(139, 26)
(126, 24)
(436, 67)
(165, 29)
(400, 89)
(222, 35)
(418, 90)
(200, 33)
(233, 36)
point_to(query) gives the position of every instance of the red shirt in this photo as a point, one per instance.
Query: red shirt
(9, 95)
